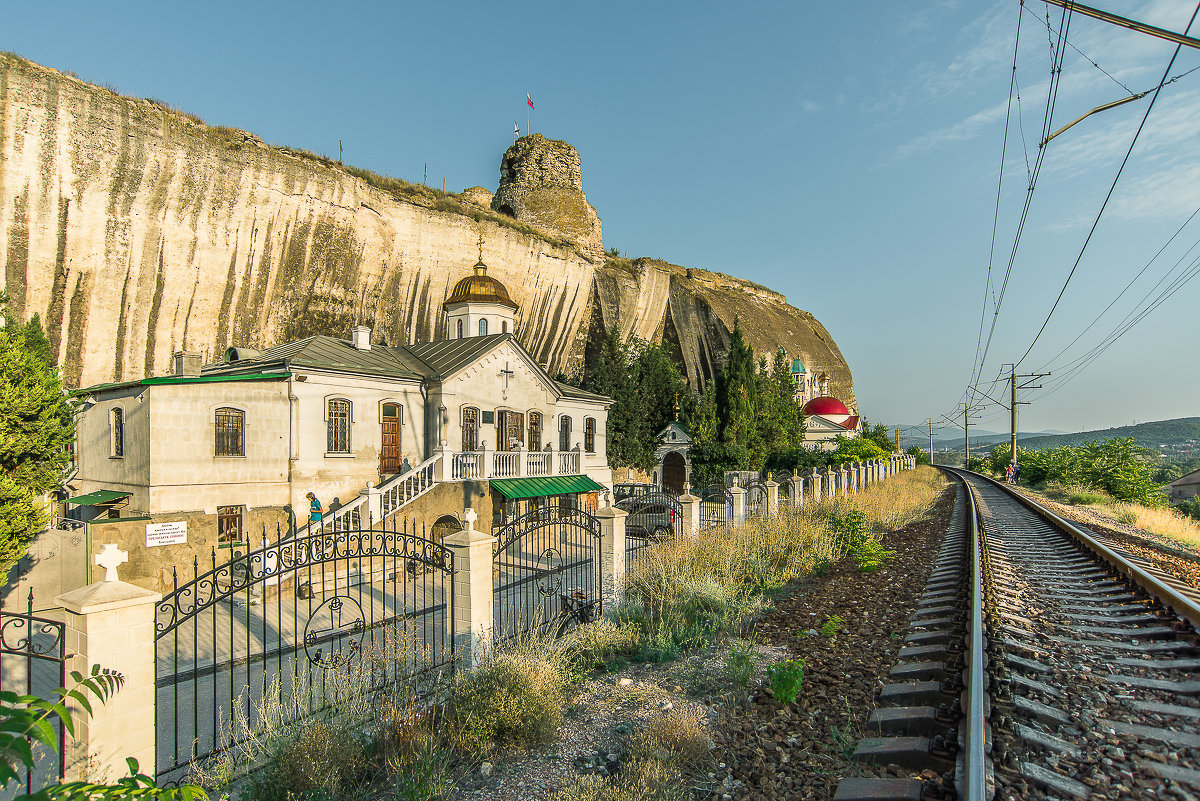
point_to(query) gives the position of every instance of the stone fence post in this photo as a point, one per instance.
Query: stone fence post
(798, 492)
(689, 505)
(111, 624)
(612, 553)
(739, 503)
(473, 592)
(816, 491)
(830, 483)
(373, 503)
(854, 478)
(772, 496)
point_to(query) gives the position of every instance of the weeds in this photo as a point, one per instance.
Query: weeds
(832, 625)
(785, 679)
(739, 663)
(869, 556)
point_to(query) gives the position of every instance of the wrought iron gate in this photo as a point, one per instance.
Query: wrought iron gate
(547, 570)
(756, 498)
(650, 517)
(287, 628)
(716, 506)
(33, 662)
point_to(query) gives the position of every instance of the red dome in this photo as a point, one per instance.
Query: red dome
(825, 406)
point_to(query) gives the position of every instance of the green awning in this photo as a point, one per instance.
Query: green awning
(513, 488)
(98, 497)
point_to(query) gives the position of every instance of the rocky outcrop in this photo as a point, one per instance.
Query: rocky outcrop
(541, 183)
(135, 231)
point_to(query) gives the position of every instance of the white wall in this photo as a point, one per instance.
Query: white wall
(98, 470)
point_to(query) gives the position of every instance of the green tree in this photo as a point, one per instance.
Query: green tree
(858, 449)
(737, 401)
(613, 377)
(921, 456)
(37, 426)
(878, 435)
(658, 386)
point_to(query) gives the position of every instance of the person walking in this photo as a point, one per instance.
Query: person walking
(1008, 473)
(1016, 472)
(315, 510)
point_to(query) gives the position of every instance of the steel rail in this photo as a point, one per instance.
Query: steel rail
(975, 760)
(1183, 606)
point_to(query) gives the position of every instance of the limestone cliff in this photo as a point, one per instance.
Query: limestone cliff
(135, 230)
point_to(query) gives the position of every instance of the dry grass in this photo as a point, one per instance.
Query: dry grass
(515, 697)
(688, 588)
(678, 736)
(1164, 521)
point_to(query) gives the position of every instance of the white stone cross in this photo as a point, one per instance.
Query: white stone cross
(109, 558)
(470, 516)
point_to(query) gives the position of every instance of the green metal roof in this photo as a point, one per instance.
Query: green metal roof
(181, 379)
(798, 366)
(513, 488)
(98, 497)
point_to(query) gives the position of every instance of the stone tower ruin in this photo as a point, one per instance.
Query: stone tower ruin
(541, 184)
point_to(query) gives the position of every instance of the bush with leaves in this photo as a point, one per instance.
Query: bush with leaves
(28, 719)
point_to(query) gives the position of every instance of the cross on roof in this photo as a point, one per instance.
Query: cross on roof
(109, 558)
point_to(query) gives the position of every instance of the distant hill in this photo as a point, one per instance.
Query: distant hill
(1164, 435)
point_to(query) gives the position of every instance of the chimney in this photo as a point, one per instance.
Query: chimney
(360, 335)
(187, 363)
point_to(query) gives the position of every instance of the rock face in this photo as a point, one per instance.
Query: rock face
(541, 183)
(135, 231)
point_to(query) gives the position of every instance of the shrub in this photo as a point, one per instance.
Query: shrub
(678, 736)
(1126, 516)
(869, 556)
(1088, 499)
(832, 625)
(514, 697)
(592, 645)
(320, 760)
(785, 679)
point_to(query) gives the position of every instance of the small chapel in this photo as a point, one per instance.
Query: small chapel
(224, 449)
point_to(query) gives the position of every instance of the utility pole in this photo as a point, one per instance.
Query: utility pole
(897, 438)
(1015, 403)
(930, 421)
(339, 152)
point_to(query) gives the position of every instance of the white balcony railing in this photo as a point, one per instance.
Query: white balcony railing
(481, 465)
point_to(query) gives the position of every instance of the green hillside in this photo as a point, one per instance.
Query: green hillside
(1165, 435)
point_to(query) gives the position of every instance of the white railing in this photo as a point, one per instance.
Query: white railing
(568, 463)
(409, 486)
(538, 463)
(506, 464)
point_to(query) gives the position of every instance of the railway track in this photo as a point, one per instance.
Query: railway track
(1043, 662)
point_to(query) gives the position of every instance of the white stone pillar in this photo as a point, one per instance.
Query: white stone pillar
(473, 591)
(689, 526)
(816, 493)
(111, 624)
(739, 503)
(443, 467)
(853, 478)
(798, 491)
(372, 507)
(772, 496)
(612, 553)
(522, 462)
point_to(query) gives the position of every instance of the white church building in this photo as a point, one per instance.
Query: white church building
(370, 429)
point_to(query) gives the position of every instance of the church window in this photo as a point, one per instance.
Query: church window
(589, 435)
(535, 431)
(231, 432)
(564, 433)
(229, 524)
(460, 329)
(504, 326)
(337, 420)
(483, 328)
(470, 428)
(116, 424)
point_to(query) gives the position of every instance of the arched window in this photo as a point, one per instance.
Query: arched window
(564, 433)
(589, 434)
(504, 326)
(535, 431)
(337, 419)
(460, 330)
(483, 328)
(116, 426)
(231, 432)
(470, 428)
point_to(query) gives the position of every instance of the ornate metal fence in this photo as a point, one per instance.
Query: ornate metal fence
(716, 506)
(787, 488)
(32, 662)
(650, 517)
(547, 571)
(756, 498)
(285, 629)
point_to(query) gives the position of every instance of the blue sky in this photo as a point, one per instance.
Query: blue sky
(846, 155)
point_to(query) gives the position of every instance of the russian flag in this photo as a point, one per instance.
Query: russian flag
(528, 100)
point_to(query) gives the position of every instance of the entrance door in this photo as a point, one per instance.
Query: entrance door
(674, 472)
(510, 431)
(389, 453)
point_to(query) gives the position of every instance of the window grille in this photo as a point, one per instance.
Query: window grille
(231, 432)
(229, 524)
(483, 328)
(589, 435)
(338, 426)
(118, 432)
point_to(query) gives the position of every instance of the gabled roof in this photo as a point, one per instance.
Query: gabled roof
(1186, 480)
(451, 355)
(568, 391)
(329, 353)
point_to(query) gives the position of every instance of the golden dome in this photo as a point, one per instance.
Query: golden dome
(480, 288)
